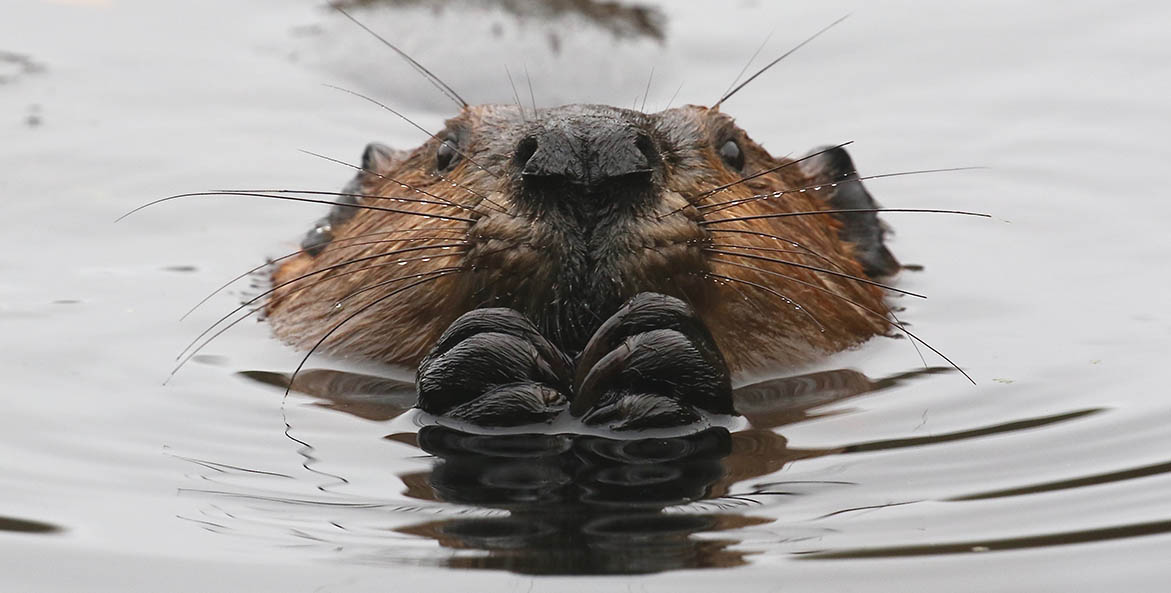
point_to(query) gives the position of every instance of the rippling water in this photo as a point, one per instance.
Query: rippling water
(868, 472)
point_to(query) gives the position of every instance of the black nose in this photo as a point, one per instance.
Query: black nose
(587, 151)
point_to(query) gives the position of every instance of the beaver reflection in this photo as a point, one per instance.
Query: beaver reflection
(584, 504)
(578, 504)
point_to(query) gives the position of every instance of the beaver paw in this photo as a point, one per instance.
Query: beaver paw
(493, 368)
(651, 364)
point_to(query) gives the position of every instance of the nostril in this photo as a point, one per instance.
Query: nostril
(525, 150)
(646, 146)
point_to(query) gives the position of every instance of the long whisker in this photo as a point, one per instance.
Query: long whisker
(749, 62)
(392, 180)
(769, 170)
(355, 314)
(673, 96)
(355, 293)
(914, 344)
(314, 273)
(532, 96)
(778, 238)
(515, 94)
(815, 269)
(495, 206)
(695, 200)
(294, 199)
(647, 93)
(774, 62)
(439, 84)
(438, 202)
(755, 248)
(795, 305)
(252, 312)
(333, 246)
(776, 194)
(483, 197)
(843, 211)
(417, 126)
(898, 325)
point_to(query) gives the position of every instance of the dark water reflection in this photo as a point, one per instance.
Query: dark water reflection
(588, 504)
(579, 504)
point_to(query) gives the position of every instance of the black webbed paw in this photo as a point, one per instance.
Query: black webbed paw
(652, 364)
(493, 368)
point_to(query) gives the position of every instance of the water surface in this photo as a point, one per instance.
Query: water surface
(1050, 474)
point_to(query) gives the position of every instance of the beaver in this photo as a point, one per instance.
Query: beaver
(548, 239)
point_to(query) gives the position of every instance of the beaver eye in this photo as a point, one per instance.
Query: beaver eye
(732, 155)
(445, 155)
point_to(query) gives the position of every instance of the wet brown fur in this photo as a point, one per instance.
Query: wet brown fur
(509, 257)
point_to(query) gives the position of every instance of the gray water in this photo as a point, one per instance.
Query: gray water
(1050, 474)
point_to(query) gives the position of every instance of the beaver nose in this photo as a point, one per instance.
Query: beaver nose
(587, 154)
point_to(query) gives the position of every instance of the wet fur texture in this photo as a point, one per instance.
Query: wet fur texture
(539, 257)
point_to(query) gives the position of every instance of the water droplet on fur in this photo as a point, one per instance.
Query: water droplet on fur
(401, 263)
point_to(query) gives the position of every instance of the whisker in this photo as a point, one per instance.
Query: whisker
(914, 344)
(252, 312)
(694, 201)
(355, 314)
(770, 170)
(844, 180)
(647, 93)
(898, 325)
(750, 61)
(495, 206)
(816, 269)
(392, 180)
(673, 96)
(774, 62)
(843, 211)
(755, 248)
(438, 202)
(314, 273)
(781, 239)
(294, 199)
(338, 304)
(532, 96)
(417, 126)
(515, 94)
(439, 84)
(333, 246)
(795, 304)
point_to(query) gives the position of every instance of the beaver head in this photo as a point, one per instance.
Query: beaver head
(565, 213)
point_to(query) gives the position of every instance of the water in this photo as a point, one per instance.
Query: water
(1050, 474)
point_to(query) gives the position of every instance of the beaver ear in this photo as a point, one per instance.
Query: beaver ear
(863, 229)
(380, 157)
(376, 159)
